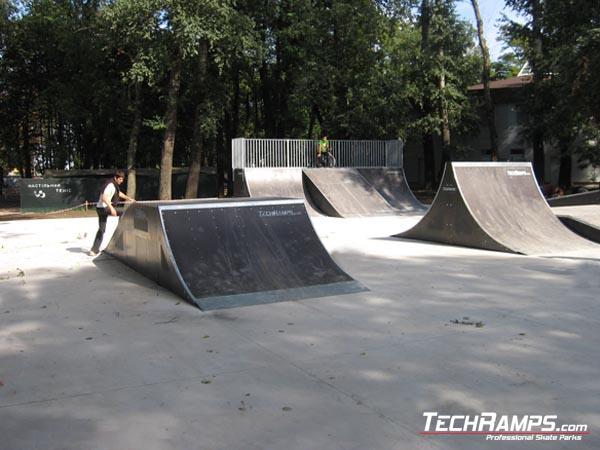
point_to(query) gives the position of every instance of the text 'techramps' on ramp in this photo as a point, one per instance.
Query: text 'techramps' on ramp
(227, 253)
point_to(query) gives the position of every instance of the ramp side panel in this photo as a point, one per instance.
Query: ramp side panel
(583, 220)
(347, 193)
(506, 202)
(449, 221)
(582, 228)
(139, 243)
(251, 254)
(391, 184)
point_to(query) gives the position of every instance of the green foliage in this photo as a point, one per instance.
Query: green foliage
(449, 53)
(508, 65)
(568, 68)
(283, 68)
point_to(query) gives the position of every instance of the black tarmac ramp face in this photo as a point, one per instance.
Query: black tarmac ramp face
(344, 192)
(495, 206)
(227, 253)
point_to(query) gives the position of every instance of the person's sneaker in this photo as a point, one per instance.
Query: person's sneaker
(92, 253)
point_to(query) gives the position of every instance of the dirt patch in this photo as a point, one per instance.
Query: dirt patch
(12, 211)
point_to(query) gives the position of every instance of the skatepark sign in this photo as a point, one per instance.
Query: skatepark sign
(51, 194)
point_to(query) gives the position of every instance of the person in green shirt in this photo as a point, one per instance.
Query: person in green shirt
(323, 153)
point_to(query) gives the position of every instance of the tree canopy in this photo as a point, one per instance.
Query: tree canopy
(161, 83)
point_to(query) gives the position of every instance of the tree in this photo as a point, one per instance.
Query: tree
(531, 35)
(444, 67)
(133, 27)
(572, 44)
(185, 25)
(560, 40)
(486, 76)
(506, 66)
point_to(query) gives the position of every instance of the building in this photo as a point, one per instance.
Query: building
(509, 96)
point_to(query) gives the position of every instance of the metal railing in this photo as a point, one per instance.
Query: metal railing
(302, 153)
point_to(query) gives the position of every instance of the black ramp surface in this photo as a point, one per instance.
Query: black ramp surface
(583, 198)
(345, 192)
(583, 220)
(277, 182)
(391, 184)
(222, 254)
(495, 206)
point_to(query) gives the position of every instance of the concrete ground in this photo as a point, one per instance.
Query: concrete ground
(95, 356)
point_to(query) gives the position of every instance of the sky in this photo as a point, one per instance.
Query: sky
(491, 11)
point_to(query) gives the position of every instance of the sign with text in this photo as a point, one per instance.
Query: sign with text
(52, 194)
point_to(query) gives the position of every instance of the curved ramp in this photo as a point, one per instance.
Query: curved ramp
(495, 206)
(336, 192)
(393, 187)
(583, 198)
(341, 192)
(228, 253)
(277, 182)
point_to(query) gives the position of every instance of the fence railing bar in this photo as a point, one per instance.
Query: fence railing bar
(302, 153)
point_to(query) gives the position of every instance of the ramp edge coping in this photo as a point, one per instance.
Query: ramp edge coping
(226, 204)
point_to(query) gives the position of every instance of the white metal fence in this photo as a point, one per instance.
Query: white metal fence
(302, 153)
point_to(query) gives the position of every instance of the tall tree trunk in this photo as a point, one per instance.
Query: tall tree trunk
(311, 123)
(168, 146)
(490, 113)
(266, 87)
(134, 134)
(25, 168)
(566, 163)
(231, 130)
(427, 110)
(538, 106)
(191, 189)
(445, 122)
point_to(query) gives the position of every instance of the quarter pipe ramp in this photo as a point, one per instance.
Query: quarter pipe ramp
(277, 182)
(393, 187)
(495, 206)
(336, 192)
(222, 254)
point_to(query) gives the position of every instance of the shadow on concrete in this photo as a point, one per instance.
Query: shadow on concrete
(101, 357)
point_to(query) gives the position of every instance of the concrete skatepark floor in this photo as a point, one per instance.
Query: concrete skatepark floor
(95, 356)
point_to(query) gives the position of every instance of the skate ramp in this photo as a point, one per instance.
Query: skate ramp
(583, 220)
(341, 192)
(583, 198)
(277, 182)
(227, 253)
(391, 184)
(495, 206)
